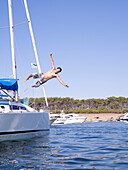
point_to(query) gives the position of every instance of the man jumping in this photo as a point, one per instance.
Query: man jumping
(44, 77)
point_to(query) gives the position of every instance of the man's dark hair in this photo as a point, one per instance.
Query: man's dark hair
(59, 68)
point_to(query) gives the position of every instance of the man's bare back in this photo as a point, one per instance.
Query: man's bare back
(53, 73)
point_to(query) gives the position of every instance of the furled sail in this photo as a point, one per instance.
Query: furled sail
(9, 84)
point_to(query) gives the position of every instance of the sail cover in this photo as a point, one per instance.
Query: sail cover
(9, 84)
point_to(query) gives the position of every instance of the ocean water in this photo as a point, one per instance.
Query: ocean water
(100, 145)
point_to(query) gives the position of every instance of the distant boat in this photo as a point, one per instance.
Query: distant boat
(124, 119)
(59, 120)
(111, 119)
(96, 119)
(74, 118)
(69, 119)
(53, 117)
(18, 121)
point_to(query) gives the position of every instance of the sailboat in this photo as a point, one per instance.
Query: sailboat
(17, 120)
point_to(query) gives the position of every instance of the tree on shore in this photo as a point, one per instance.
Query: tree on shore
(111, 104)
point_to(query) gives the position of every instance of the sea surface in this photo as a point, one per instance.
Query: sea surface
(100, 145)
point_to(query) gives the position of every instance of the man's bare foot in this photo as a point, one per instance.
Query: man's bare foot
(34, 86)
(66, 86)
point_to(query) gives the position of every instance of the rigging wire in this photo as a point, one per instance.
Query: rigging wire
(15, 25)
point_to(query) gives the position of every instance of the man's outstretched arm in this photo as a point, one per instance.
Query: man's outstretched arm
(53, 66)
(28, 77)
(61, 81)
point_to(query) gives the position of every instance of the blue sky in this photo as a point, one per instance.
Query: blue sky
(89, 40)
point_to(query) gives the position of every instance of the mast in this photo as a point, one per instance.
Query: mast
(34, 45)
(12, 45)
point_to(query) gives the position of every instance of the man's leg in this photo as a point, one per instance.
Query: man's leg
(38, 83)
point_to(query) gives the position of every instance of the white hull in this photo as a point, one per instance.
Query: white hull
(69, 118)
(22, 136)
(15, 126)
(59, 121)
(75, 120)
(126, 121)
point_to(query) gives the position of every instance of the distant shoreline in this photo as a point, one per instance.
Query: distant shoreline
(103, 116)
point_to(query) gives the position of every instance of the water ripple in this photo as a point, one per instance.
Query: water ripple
(100, 145)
